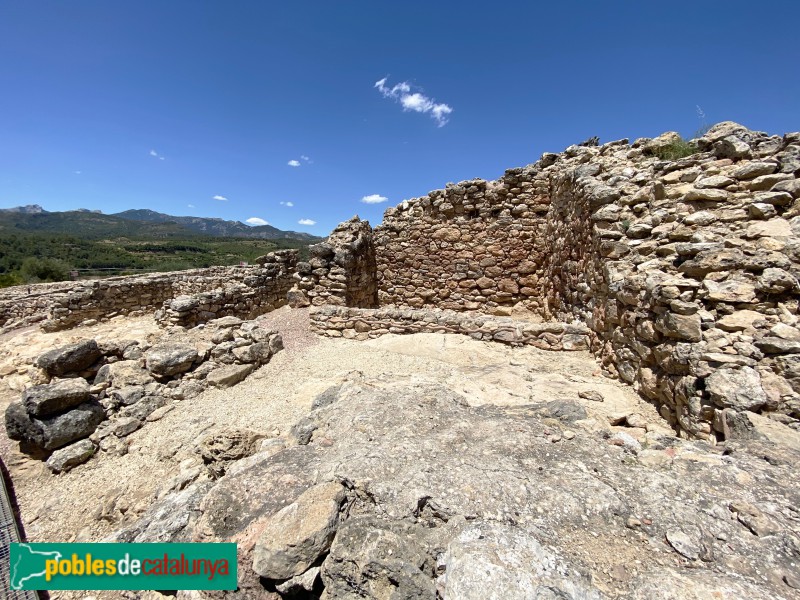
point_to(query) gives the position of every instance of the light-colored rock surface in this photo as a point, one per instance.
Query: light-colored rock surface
(70, 456)
(295, 537)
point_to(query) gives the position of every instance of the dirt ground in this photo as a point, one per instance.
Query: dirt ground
(96, 498)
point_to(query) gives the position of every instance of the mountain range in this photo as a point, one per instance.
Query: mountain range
(134, 223)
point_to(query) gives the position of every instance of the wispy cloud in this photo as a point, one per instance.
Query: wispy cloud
(293, 163)
(305, 158)
(290, 204)
(220, 198)
(415, 101)
(307, 222)
(155, 154)
(374, 199)
(190, 205)
(256, 221)
(77, 172)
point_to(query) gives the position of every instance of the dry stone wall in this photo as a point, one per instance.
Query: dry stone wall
(201, 295)
(686, 271)
(262, 290)
(24, 305)
(341, 271)
(366, 323)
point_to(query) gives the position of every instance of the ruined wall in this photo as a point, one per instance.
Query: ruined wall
(263, 289)
(27, 304)
(366, 323)
(685, 270)
(240, 291)
(341, 270)
(476, 245)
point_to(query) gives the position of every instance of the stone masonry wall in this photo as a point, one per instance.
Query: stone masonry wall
(262, 290)
(252, 290)
(341, 270)
(24, 305)
(366, 323)
(685, 270)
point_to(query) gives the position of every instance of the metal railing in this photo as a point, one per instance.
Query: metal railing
(9, 534)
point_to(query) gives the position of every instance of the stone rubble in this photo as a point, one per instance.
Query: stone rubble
(88, 395)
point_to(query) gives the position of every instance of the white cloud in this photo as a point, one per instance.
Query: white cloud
(289, 204)
(153, 153)
(374, 199)
(416, 102)
(77, 172)
(256, 221)
(190, 205)
(160, 158)
(220, 198)
(305, 158)
(293, 163)
(307, 222)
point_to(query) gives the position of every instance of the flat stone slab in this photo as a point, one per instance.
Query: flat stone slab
(229, 375)
(297, 535)
(48, 399)
(71, 456)
(170, 358)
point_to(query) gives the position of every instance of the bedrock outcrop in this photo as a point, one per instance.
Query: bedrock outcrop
(404, 490)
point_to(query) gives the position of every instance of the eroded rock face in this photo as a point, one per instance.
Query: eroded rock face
(298, 535)
(512, 560)
(434, 496)
(223, 447)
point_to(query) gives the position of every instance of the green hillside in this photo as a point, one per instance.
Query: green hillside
(27, 257)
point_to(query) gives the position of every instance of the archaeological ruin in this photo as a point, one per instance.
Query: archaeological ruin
(680, 277)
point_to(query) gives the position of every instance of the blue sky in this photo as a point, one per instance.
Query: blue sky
(167, 105)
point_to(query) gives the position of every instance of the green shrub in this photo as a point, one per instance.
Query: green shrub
(43, 269)
(678, 149)
(9, 279)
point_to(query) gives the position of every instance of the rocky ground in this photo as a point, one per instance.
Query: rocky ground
(411, 466)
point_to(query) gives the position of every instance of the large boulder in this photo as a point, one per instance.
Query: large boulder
(71, 358)
(297, 535)
(49, 433)
(48, 399)
(170, 358)
(124, 373)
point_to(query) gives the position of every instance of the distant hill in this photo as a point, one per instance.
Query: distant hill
(134, 224)
(30, 209)
(215, 227)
